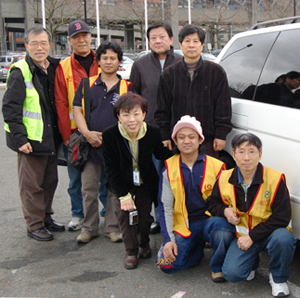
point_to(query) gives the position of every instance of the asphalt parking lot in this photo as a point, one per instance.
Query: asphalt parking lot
(62, 268)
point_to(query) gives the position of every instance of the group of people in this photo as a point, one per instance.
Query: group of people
(147, 145)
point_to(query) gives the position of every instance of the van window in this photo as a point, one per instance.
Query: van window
(283, 58)
(242, 63)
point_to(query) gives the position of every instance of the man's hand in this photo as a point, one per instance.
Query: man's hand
(127, 205)
(244, 242)
(231, 215)
(66, 143)
(168, 144)
(94, 138)
(170, 251)
(219, 144)
(26, 148)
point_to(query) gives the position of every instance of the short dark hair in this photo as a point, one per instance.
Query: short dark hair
(159, 24)
(128, 101)
(36, 30)
(281, 77)
(250, 138)
(109, 45)
(293, 75)
(190, 29)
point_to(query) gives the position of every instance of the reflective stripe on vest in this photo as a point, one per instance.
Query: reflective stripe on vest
(260, 210)
(68, 72)
(212, 170)
(32, 114)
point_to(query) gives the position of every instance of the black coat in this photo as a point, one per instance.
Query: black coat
(145, 75)
(13, 106)
(206, 97)
(118, 161)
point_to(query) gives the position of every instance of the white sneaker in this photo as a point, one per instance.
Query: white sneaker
(279, 289)
(75, 224)
(251, 275)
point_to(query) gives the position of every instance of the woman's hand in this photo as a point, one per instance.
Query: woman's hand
(128, 205)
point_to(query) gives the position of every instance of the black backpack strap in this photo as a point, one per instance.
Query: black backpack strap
(87, 100)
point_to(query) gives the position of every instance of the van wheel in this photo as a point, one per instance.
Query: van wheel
(225, 157)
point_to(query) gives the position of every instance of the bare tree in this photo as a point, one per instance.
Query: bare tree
(58, 13)
(216, 19)
(133, 13)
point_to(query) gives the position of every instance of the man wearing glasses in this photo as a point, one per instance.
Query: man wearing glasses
(256, 201)
(32, 131)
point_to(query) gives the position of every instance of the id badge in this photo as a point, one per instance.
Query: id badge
(136, 177)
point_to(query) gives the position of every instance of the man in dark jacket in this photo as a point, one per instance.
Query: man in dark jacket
(197, 88)
(255, 199)
(31, 124)
(145, 75)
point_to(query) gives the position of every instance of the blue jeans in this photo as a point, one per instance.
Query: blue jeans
(159, 165)
(74, 189)
(215, 230)
(280, 246)
(103, 192)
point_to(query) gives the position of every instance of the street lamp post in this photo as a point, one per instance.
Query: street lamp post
(146, 22)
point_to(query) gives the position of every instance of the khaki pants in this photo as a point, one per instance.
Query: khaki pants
(37, 184)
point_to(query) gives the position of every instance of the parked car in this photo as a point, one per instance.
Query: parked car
(251, 59)
(216, 52)
(131, 56)
(17, 58)
(207, 56)
(125, 68)
(3, 74)
(5, 61)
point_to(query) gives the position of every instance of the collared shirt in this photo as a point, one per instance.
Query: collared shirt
(44, 69)
(192, 180)
(101, 117)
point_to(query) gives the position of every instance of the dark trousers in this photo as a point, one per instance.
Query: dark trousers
(138, 235)
(208, 148)
(37, 185)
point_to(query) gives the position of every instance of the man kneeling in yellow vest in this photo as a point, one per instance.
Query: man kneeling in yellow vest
(255, 199)
(185, 184)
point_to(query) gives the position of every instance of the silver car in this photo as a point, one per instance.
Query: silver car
(3, 74)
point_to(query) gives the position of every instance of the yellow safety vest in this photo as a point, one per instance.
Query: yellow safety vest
(32, 113)
(124, 85)
(68, 72)
(260, 211)
(212, 170)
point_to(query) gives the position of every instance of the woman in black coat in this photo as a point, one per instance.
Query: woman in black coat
(131, 176)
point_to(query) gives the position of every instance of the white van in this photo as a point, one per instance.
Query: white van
(252, 59)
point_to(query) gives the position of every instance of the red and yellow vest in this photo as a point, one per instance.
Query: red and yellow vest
(260, 211)
(68, 72)
(212, 169)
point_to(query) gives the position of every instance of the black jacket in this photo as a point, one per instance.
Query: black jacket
(145, 75)
(281, 207)
(13, 106)
(206, 97)
(118, 161)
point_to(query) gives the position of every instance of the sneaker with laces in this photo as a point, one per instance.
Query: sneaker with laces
(114, 236)
(75, 224)
(251, 275)
(279, 289)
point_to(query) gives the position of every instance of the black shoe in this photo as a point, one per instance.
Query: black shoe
(53, 226)
(145, 253)
(155, 228)
(41, 234)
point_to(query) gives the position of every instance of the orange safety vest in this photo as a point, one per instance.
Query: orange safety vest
(68, 72)
(260, 211)
(212, 169)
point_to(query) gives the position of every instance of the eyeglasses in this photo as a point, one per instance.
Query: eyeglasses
(249, 153)
(36, 44)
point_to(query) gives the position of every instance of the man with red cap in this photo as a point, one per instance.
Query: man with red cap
(185, 184)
